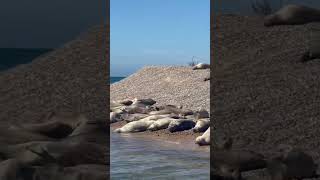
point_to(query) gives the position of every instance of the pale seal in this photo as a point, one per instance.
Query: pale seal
(204, 139)
(202, 125)
(114, 117)
(292, 15)
(126, 102)
(160, 124)
(147, 102)
(201, 66)
(135, 126)
(135, 108)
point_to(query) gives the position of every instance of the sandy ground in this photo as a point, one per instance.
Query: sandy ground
(68, 77)
(176, 85)
(263, 94)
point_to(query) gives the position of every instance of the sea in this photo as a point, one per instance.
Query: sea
(11, 57)
(134, 157)
(115, 79)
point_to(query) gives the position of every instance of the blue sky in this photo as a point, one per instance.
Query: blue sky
(157, 32)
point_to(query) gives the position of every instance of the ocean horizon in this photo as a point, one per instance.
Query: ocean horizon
(11, 57)
(115, 79)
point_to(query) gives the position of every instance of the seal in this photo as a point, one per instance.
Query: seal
(292, 15)
(161, 112)
(160, 124)
(155, 117)
(200, 114)
(52, 129)
(172, 110)
(136, 108)
(10, 169)
(118, 109)
(292, 163)
(135, 126)
(114, 117)
(202, 125)
(181, 125)
(204, 139)
(221, 140)
(126, 102)
(147, 102)
(19, 135)
(133, 117)
(227, 162)
(87, 126)
(201, 66)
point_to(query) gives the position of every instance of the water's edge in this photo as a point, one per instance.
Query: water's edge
(133, 156)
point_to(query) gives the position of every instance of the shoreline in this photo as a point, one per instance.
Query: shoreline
(166, 85)
(179, 140)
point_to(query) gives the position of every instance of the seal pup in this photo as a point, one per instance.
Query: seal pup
(180, 125)
(202, 125)
(292, 15)
(160, 124)
(204, 139)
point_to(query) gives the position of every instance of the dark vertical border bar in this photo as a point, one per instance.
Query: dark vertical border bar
(107, 58)
(211, 84)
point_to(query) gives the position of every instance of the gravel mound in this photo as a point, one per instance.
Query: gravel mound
(262, 93)
(166, 85)
(60, 80)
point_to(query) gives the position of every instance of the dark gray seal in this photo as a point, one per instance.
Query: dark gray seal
(181, 125)
(232, 163)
